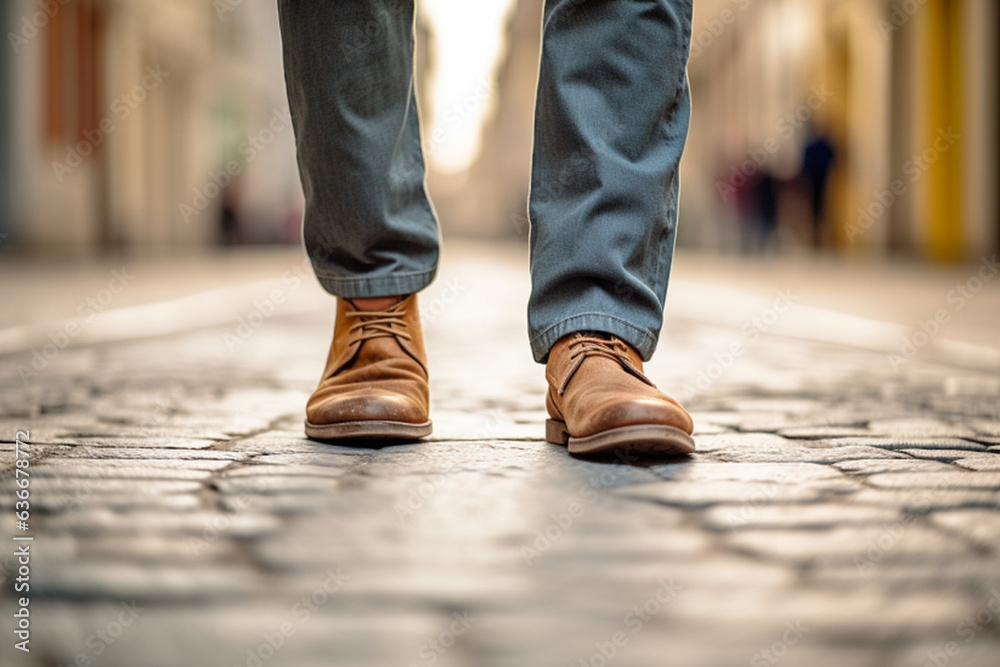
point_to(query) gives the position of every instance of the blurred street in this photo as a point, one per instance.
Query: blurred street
(843, 507)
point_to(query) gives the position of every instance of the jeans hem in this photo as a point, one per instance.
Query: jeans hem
(370, 287)
(643, 340)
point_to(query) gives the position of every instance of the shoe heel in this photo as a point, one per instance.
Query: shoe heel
(555, 432)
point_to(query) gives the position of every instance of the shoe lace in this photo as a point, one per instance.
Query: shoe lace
(584, 346)
(378, 324)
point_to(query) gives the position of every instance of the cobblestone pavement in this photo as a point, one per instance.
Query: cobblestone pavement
(842, 508)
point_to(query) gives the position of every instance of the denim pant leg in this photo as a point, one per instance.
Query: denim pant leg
(369, 227)
(610, 125)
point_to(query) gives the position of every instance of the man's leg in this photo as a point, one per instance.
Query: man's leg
(611, 122)
(369, 228)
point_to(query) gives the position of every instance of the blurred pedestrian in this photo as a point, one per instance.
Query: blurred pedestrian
(818, 158)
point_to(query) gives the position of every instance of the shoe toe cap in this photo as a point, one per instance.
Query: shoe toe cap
(640, 411)
(369, 405)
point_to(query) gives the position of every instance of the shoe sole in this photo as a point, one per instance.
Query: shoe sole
(656, 439)
(371, 429)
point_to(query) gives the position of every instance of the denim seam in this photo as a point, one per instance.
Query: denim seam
(329, 275)
(358, 287)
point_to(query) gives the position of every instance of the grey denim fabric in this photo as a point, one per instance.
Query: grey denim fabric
(611, 122)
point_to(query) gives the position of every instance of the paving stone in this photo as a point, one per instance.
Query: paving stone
(971, 406)
(831, 616)
(783, 473)
(91, 470)
(170, 473)
(124, 580)
(262, 484)
(720, 418)
(810, 517)
(980, 525)
(261, 470)
(104, 521)
(277, 504)
(893, 541)
(985, 427)
(742, 441)
(907, 443)
(159, 549)
(79, 467)
(98, 486)
(782, 405)
(140, 442)
(918, 428)
(981, 462)
(52, 502)
(945, 455)
(334, 460)
(926, 500)
(498, 457)
(151, 453)
(951, 479)
(968, 576)
(285, 443)
(492, 424)
(955, 651)
(817, 432)
(700, 494)
(879, 466)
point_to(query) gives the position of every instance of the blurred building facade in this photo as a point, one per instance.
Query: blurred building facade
(144, 124)
(900, 93)
(490, 198)
(853, 125)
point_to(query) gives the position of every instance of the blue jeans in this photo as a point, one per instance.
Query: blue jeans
(611, 121)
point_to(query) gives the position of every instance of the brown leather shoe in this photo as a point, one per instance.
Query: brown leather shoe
(375, 382)
(600, 402)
